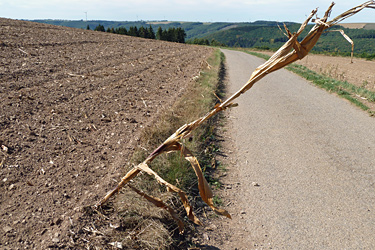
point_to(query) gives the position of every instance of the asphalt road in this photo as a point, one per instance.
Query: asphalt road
(304, 165)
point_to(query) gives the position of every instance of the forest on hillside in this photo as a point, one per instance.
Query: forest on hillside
(171, 34)
(272, 37)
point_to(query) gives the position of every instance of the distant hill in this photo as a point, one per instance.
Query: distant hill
(259, 34)
(192, 29)
(271, 38)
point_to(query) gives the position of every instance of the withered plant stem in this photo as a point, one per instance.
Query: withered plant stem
(290, 52)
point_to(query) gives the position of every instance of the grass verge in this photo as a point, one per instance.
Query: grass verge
(143, 225)
(356, 95)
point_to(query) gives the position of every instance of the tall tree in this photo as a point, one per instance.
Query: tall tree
(151, 32)
(143, 32)
(121, 31)
(159, 34)
(100, 28)
(180, 35)
(172, 35)
(133, 31)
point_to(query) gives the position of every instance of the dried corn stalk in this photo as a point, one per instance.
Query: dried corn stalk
(290, 52)
(347, 39)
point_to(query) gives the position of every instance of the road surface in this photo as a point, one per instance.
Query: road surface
(303, 173)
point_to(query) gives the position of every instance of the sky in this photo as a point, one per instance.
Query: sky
(179, 10)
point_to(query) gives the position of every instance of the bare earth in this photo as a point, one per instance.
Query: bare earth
(353, 25)
(300, 166)
(73, 105)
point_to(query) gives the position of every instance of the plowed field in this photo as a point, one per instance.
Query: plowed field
(73, 106)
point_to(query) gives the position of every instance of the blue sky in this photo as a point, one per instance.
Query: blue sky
(177, 10)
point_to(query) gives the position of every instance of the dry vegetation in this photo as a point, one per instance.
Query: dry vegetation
(290, 52)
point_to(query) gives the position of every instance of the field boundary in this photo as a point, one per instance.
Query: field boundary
(158, 229)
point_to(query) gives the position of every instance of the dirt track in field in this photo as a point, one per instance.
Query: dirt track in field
(73, 106)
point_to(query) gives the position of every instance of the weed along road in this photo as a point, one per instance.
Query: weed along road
(303, 172)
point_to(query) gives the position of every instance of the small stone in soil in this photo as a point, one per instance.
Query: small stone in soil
(7, 229)
(55, 240)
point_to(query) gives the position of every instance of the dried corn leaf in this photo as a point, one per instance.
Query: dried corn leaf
(345, 36)
(204, 189)
(159, 203)
(124, 180)
(347, 39)
(175, 189)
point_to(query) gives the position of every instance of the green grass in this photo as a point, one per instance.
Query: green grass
(217, 201)
(343, 89)
(257, 54)
(202, 142)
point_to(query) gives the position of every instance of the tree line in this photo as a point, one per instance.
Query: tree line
(271, 38)
(203, 41)
(171, 34)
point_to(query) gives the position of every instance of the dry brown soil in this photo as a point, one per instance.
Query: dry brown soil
(353, 25)
(73, 106)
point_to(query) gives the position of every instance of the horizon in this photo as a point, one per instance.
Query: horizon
(168, 21)
(206, 11)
